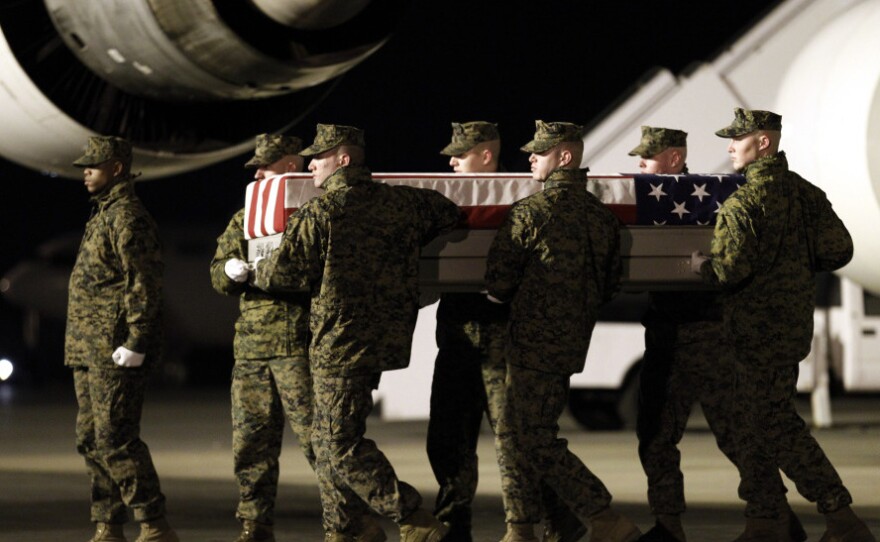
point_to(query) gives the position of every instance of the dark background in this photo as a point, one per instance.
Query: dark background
(506, 62)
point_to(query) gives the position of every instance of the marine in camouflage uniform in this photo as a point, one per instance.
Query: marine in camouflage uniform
(270, 378)
(771, 238)
(682, 365)
(112, 342)
(556, 260)
(469, 370)
(355, 249)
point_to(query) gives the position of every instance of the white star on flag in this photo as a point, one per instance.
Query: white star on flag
(680, 210)
(718, 203)
(700, 192)
(659, 222)
(657, 191)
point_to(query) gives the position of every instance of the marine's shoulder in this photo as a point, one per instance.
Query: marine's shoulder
(129, 212)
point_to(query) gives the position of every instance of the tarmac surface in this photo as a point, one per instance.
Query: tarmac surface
(44, 486)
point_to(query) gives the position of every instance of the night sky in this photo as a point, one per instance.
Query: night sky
(509, 62)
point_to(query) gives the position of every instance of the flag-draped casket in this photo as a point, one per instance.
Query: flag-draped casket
(664, 218)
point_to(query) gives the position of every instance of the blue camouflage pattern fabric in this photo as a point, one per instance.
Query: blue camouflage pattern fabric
(355, 248)
(115, 291)
(556, 259)
(114, 299)
(771, 238)
(270, 380)
(363, 272)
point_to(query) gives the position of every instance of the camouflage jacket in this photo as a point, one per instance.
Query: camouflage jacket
(115, 292)
(556, 259)
(269, 326)
(772, 236)
(356, 249)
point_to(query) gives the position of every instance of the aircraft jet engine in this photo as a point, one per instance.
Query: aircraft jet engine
(189, 83)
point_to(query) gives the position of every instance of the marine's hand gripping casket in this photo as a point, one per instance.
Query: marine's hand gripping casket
(664, 218)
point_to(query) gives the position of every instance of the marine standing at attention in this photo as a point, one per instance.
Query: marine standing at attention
(113, 341)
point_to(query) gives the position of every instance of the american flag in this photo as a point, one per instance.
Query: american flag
(268, 203)
(659, 200)
(486, 198)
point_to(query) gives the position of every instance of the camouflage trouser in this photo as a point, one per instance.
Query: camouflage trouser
(263, 391)
(530, 453)
(468, 380)
(781, 439)
(673, 378)
(108, 437)
(352, 472)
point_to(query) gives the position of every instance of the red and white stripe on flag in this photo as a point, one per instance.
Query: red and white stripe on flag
(270, 202)
(618, 193)
(485, 198)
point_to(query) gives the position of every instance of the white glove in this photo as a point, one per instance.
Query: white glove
(126, 358)
(236, 270)
(491, 298)
(697, 259)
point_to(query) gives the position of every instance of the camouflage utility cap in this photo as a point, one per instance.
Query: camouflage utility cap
(102, 148)
(330, 136)
(465, 136)
(656, 140)
(748, 120)
(550, 134)
(273, 147)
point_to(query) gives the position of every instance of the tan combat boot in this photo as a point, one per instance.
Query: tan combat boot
(251, 531)
(421, 526)
(371, 531)
(844, 526)
(108, 532)
(612, 526)
(520, 532)
(563, 526)
(157, 530)
(762, 530)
